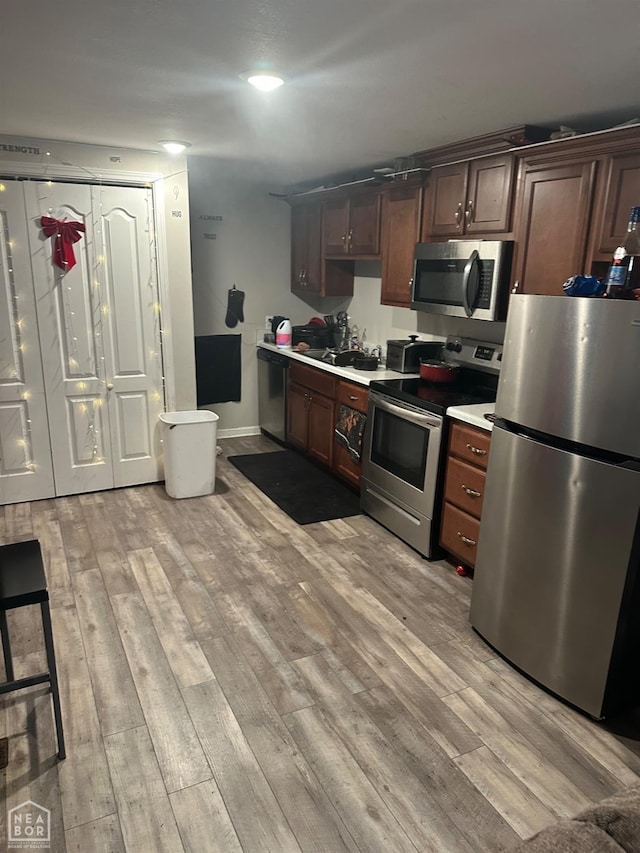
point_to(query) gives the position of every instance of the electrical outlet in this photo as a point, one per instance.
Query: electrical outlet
(267, 322)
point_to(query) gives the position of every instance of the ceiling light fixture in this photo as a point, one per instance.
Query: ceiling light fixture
(174, 146)
(265, 81)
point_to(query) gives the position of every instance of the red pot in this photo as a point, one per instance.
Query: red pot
(438, 371)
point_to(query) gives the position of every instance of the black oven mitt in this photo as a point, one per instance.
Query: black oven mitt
(235, 313)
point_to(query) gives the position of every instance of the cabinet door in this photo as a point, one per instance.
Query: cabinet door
(364, 224)
(489, 192)
(622, 193)
(400, 233)
(551, 234)
(320, 430)
(306, 267)
(297, 415)
(335, 227)
(445, 197)
(344, 465)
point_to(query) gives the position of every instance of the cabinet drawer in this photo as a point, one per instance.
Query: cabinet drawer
(316, 380)
(355, 396)
(459, 534)
(470, 444)
(464, 486)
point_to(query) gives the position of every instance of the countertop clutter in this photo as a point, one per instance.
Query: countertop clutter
(360, 377)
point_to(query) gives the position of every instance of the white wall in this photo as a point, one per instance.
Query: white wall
(251, 249)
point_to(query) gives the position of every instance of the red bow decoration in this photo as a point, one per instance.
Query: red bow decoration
(66, 234)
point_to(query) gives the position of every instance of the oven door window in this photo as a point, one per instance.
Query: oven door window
(400, 447)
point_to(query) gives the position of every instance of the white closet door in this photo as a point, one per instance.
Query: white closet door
(130, 329)
(26, 472)
(100, 336)
(69, 305)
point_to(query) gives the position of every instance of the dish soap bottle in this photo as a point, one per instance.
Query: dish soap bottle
(283, 334)
(623, 278)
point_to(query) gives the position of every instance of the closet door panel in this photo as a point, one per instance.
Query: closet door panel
(26, 472)
(131, 331)
(70, 305)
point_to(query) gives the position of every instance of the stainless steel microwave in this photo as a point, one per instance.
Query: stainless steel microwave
(463, 278)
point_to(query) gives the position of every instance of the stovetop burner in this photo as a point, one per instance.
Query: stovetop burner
(435, 398)
(476, 381)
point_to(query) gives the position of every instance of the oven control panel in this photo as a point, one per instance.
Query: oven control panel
(468, 352)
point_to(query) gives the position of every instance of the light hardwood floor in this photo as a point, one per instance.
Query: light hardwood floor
(234, 682)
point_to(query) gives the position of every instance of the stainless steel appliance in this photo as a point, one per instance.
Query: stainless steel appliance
(463, 278)
(556, 587)
(404, 355)
(405, 439)
(272, 393)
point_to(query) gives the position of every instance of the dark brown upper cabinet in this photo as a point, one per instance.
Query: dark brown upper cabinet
(351, 226)
(552, 224)
(471, 198)
(401, 210)
(311, 275)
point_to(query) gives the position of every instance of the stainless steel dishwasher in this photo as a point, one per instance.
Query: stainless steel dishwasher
(272, 393)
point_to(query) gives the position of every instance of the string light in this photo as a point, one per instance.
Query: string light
(80, 351)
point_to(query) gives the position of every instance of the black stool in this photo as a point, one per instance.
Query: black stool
(22, 582)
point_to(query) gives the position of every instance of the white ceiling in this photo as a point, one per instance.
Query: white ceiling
(370, 80)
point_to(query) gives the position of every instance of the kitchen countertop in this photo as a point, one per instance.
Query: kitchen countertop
(360, 377)
(473, 414)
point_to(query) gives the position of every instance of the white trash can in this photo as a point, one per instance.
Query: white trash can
(189, 450)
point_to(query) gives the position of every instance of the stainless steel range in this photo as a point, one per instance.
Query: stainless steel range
(405, 440)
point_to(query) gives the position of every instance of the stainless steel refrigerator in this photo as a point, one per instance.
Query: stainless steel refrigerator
(556, 588)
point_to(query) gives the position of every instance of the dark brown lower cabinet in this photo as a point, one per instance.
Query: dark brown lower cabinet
(468, 455)
(314, 400)
(311, 411)
(356, 397)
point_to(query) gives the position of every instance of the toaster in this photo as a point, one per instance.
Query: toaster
(404, 356)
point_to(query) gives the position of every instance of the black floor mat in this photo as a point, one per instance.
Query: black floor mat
(306, 493)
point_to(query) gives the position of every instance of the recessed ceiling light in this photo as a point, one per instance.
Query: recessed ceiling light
(174, 146)
(266, 81)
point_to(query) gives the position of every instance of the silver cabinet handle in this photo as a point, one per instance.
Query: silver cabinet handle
(471, 492)
(109, 386)
(410, 283)
(478, 451)
(516, 286)
(468, 214)
(458, 215)
(350, 237)
(466, 539)
(352, 397)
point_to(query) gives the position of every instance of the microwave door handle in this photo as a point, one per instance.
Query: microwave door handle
(474, 257)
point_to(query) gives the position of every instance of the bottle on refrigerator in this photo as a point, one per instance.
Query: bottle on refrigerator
(623, 278)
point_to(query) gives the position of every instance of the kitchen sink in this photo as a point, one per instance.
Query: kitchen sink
(317, 354)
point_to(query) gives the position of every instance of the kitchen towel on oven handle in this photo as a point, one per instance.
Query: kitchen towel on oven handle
(349, 430)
